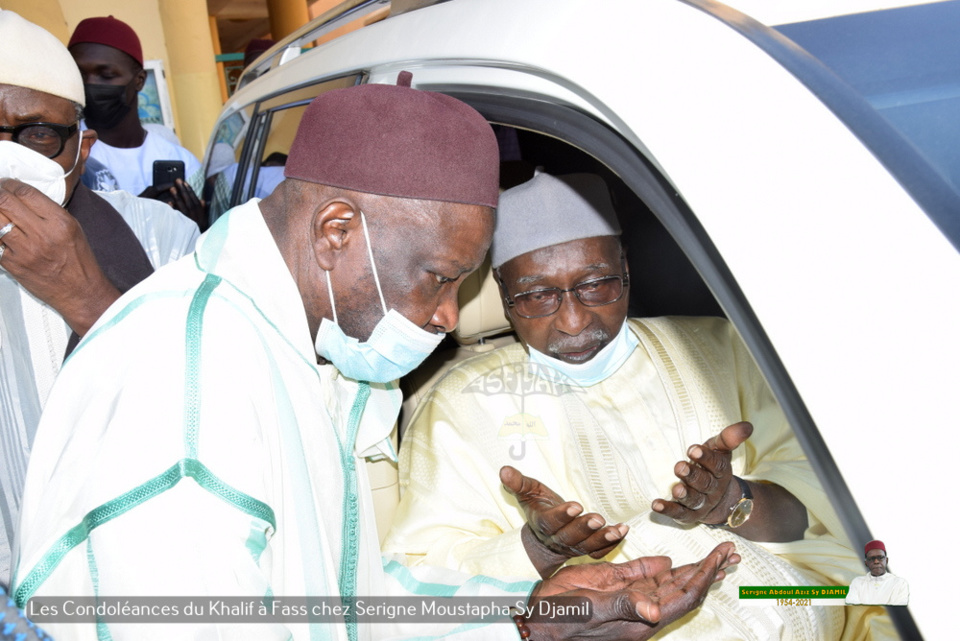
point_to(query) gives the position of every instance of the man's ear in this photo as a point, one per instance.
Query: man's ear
(87, 138)
(141, 79)
(334, 226)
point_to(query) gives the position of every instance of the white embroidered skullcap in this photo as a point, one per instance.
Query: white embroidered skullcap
(549, 210)
(32, 57)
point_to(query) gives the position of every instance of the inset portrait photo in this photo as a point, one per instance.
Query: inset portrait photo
(879, 586)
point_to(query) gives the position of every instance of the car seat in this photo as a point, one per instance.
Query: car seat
(483, 327)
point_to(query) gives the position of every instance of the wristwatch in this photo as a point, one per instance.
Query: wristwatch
(740, 512)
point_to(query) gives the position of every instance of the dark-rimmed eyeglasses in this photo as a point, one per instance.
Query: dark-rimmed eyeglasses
(871, 559)
(595, 292)
(45, 138)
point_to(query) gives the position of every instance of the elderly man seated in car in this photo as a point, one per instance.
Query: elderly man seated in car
(600, 408)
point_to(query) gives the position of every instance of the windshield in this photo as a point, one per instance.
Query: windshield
(906, 63)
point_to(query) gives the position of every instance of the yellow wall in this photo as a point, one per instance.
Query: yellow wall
(193, 69)
(46, 13)
(174, 31)
(286, 16)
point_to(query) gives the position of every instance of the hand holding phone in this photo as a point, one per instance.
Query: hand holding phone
(166, 172)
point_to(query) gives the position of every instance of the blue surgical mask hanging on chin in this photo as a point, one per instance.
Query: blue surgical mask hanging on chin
(395, 347)
(606, 362)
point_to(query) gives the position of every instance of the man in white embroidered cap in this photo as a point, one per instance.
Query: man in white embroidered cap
(66, 252)
(623, 412)
(224, 458)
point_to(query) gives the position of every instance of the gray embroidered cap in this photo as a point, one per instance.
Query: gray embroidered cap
(549, 210)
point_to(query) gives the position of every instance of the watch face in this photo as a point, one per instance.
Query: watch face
(740, 514)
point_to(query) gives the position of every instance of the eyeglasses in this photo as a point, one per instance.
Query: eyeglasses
(45, 138)
(545, 302)
(871, 559)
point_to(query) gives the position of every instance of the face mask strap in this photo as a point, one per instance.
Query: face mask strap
(376, 277)
(333, 305)
(77, 159)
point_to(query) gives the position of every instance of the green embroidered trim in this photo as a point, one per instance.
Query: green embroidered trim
(256, 541)
(103, 632)
(187, 467)
(211, 483)
(131, 307)
(191, 390)
(350, 532)
(126, 502)
(212, 246)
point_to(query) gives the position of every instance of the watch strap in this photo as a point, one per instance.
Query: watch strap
(746, 494)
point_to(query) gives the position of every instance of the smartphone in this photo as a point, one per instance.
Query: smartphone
(165, 172)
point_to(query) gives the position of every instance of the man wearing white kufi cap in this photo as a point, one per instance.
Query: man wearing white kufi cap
(600, 408)
(65, 253)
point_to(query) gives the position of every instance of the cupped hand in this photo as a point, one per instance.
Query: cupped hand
(559, 527)
(707, 489)
(632, 600)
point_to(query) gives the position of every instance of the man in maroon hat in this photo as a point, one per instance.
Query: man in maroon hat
(879, 586)
(110, 58)
(223, 457)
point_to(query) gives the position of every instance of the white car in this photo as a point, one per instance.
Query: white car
(800, 176)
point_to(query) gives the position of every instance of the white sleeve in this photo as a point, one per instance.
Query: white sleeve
(901, 596)
(853, 593)
(165, 233)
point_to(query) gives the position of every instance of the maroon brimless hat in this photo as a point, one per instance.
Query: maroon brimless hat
(110, 32)
(874, 545)
(397, 141)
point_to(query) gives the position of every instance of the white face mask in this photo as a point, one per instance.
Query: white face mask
(606, 362)
(395, 348)
(35, 169)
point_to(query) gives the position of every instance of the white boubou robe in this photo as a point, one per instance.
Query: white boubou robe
(193, 447)
(886, 589)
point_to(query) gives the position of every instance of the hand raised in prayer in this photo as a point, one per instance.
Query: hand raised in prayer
(48, 254)
(706, 490)
(632, 600)
(557, 530)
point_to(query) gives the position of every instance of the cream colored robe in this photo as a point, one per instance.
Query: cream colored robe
(613, 447)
